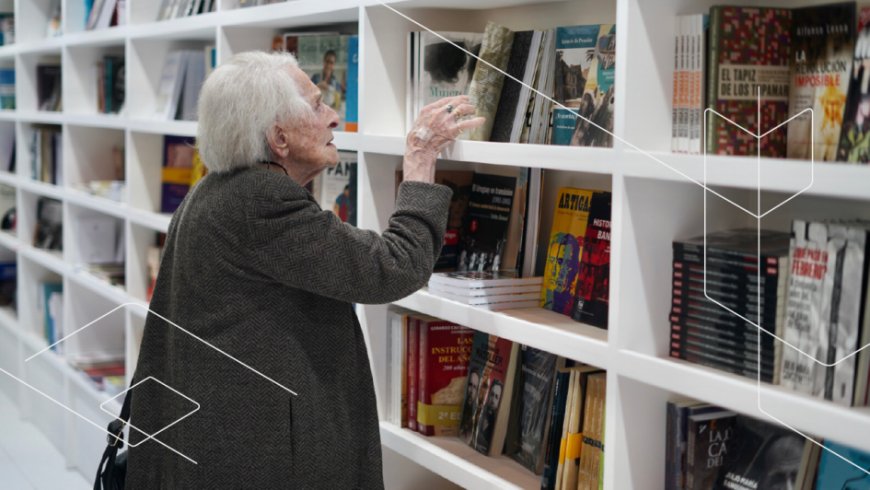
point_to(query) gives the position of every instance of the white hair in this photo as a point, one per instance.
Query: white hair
(240, 102)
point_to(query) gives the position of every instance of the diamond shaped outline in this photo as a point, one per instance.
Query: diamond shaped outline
(149, 436)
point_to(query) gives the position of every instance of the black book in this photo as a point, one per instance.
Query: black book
(485, 227)
(510, 92)
(764, 456)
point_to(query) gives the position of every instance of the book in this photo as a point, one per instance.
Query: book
(487, 80)
(530, 415)
(834, 472)
(332, 188)
(48, 87)
(48, 232)
(177, 172)
(822, 44)
(482, 280)
(486, 222)
(444, 69)
(598, 94)
(592, 449)
(709, 439)
(485, 412)
(509, 100)
(444, 351)
(593, 281)
(764, 455)
(575, 51)
(555, 423)
(748, 51)
(565, 249)
(853, 133)
(351, 95)
(169, 88)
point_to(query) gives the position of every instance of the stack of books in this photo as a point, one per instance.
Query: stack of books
(702, 330)
(498, 290)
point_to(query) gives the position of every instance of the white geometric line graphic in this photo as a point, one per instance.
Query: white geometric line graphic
(150, 436)
(703, 185)
(158, 315)
(98, 426)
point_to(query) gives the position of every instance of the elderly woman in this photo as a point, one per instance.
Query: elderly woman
(260, 281)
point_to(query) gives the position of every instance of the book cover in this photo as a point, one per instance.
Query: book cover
(332, 187)
(177, 172)
(324, 58)
(48, 87)
(537, 372)
(763, 455)
(854, 134)
(486, 222)
(445, 71)
(748, 52)
(710, 438)
(486, 82)
(823, 39)
(503, 121)
(485, 411)
(593, 281)
(565, 249)
(444, 353)
(575, 51)
(351, 111)
(598, 94)
(838, 474)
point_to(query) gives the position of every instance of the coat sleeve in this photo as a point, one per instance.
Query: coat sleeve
(298, 244)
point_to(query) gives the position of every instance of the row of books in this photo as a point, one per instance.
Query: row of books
(182, 169)
(183, 73)
(710, 447)
(100, 14)
(46, 154)
(489, 290)
(498, 397)
(576, 63)
(811, 291)
(174, 9)
(331, 60)
(110, 84)
(793, 60)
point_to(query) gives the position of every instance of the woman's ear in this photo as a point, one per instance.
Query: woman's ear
(279, 143)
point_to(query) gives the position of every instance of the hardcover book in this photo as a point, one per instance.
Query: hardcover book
(748, 56)
(823, 39)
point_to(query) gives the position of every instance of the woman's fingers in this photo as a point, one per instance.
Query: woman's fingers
(472, 123)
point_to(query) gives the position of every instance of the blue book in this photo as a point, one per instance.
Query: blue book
(838, 474)
(351, 117)
(575, 52)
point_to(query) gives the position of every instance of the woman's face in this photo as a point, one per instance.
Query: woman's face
(310, 139)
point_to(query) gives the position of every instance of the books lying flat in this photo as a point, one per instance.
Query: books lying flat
(474, 279)
(484, 300)
(486, 292)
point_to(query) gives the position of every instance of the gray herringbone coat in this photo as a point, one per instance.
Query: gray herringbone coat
(254, 267)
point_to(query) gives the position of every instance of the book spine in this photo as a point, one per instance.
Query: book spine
(711, 146)
(413, 367)
(423, 381)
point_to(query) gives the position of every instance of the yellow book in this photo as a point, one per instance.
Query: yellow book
(565, 249)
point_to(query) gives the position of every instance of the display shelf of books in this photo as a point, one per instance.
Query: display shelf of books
(456, 461)
(94, 81)
(95, 165)
(96, 247)
(293, 14)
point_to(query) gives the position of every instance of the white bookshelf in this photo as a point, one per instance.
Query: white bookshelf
(652, 205)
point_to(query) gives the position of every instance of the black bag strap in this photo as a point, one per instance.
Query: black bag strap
(114, 439)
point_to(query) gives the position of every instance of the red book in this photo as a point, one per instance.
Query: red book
(413, 353)
(444, 352)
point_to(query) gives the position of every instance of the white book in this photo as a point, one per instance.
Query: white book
(193, 78)
(171, 84)
(106, 12)
(485, 292)
(488, 300)
(476, 279)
